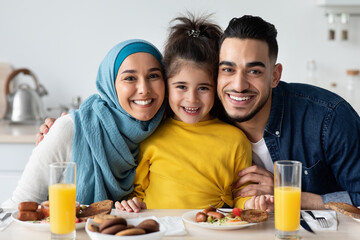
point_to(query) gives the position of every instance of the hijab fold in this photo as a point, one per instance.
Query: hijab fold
(106, 138)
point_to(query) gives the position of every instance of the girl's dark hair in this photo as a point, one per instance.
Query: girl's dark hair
(196, 40)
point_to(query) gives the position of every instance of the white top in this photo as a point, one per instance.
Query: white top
(261, 155)
(56, 147)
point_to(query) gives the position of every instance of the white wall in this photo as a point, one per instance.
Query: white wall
(64, 41)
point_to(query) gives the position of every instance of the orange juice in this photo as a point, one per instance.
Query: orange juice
(287, 208)
(62, 198)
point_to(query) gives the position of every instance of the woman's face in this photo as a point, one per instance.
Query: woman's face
(140, 86)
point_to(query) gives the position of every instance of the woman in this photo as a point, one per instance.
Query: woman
(103, 136)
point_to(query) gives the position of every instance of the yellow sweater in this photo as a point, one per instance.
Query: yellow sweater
(191, 165)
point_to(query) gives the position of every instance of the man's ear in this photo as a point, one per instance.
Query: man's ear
(276, 75)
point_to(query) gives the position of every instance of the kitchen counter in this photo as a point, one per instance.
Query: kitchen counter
(18, 133)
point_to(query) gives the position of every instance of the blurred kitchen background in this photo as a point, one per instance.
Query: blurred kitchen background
(62, 43)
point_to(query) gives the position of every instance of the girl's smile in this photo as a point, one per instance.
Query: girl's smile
(191, 94)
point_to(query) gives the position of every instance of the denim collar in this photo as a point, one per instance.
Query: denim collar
(274, 123)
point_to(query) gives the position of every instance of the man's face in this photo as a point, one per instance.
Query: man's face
(246, 78)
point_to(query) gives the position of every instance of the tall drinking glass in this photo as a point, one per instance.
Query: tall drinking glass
(287, 192)
(62, 199)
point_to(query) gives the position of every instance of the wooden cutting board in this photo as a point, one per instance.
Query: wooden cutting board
(5, 70)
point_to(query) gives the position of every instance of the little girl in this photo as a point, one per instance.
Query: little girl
(193, 158)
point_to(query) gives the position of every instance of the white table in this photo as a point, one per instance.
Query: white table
(347, 229)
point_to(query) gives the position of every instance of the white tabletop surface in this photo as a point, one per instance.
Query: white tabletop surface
(347, 229)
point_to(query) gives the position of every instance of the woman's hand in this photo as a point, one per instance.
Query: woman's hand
(132, 205)
(45, 127)
(263, 202)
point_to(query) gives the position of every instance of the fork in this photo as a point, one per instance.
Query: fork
(219, 210)
(321, 220)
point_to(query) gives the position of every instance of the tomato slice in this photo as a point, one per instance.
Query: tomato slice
(237, 212)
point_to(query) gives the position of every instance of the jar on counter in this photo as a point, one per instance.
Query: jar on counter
(344, 19)
(331, 26)
(353, 88)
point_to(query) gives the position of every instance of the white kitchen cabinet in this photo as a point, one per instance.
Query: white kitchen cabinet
(14, 157)
(16, 144)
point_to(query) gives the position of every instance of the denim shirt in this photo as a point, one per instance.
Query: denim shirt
(322, 130)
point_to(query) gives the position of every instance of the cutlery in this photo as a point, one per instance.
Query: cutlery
(321, 220)
(218, 210)
(305, 225)
(5, 217)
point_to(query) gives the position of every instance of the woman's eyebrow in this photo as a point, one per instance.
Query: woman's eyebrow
(134, 71)
(128, 71)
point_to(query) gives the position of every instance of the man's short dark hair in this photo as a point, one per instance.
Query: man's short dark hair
(253, 27)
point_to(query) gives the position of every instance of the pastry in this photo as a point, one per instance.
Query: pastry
(111, 222)
(344, 208)
(254, 215)
(131, 231)
(149, 225)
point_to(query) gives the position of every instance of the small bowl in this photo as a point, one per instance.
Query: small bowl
(46, 210)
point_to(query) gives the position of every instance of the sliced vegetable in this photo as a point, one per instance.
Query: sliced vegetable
(237, 212)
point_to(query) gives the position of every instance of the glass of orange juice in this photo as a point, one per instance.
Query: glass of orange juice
(287, 191)
(62, 199)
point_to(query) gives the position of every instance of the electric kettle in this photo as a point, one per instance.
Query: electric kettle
(24, 104)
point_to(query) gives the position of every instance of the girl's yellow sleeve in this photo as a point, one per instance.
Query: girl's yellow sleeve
(244, 161)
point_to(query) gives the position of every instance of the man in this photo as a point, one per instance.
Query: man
(287, 121)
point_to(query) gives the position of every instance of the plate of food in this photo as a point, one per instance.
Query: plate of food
(36, 217)
(111, 227)
(357, 219)
(41, 224)
(346, 209)
(220, 219)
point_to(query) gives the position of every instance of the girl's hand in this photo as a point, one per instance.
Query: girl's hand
(132, 205)
(263, 202)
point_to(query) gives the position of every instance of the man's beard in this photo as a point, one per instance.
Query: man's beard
(249, 116)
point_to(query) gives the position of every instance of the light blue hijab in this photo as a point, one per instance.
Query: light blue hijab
(106, 138)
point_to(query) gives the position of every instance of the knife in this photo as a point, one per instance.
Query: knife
(5, 217)
(305, 225)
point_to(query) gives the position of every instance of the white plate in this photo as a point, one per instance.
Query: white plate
(189, 217)
(45, 227)
(357, 219)
(132, 221)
